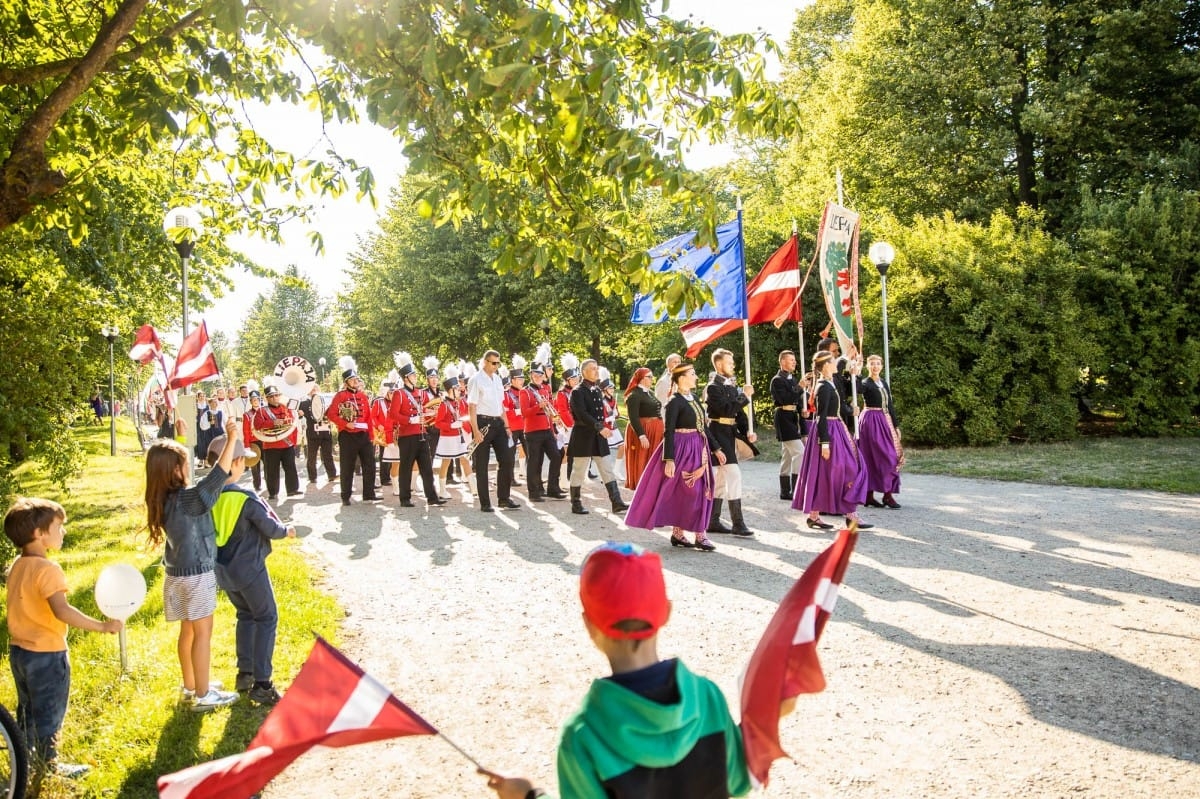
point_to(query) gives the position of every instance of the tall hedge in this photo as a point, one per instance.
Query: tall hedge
(987, 336)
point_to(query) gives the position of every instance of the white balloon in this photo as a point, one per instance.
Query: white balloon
(120, 591)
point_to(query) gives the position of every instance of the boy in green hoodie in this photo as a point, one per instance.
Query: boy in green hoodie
(653, 729)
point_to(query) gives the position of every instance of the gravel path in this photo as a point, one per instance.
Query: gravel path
(992, 639)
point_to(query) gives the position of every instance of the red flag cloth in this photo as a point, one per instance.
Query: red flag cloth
(332, 702)
(770, 297)
(196, 360)
(146, 346)
(785, 662)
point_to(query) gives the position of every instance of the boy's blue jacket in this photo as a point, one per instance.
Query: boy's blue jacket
(245, 525)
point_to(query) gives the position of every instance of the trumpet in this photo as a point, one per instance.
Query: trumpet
(483, 431)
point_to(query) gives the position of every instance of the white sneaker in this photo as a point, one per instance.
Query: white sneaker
(213, 699)
(190, 696)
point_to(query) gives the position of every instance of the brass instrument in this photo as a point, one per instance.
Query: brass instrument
(483, 431)
(279, 430)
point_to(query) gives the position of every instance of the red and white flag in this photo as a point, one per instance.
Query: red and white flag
(770, 297)
(196, 360)
(785, 662)
(332, 702)
(146, 346)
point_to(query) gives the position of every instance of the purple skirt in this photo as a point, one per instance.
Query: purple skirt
(878, 451)
(659, 502)
(837, 485)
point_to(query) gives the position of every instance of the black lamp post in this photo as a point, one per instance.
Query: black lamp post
(882, 254)
(182, 226)
(112, 333)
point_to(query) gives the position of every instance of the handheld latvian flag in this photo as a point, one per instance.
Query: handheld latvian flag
(332, 702)
(837, 252)
(785, 664)
(770, 297)
(196, 360)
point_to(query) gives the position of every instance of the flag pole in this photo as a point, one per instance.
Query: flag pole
(460, 750)
(745, 325)
(800, 323)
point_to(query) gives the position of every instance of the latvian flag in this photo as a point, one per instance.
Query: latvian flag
(785, 664)
(196, 360)
(332, 702)
(146, 346)
(771, 297)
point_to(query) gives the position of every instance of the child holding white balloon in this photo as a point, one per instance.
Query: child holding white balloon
(181, 516)
(38, 616)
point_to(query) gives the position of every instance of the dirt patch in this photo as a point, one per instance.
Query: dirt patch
(992, 639)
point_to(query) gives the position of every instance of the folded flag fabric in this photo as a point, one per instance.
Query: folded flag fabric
(332, 702)
(196, 360)
(785, 663)
(146, 346)
(724, 271)
(770, 297)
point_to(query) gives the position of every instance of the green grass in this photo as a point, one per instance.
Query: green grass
(1158, 464)
(129, 727)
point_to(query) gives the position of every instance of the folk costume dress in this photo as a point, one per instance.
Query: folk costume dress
(877, 437)
(684, 500)
(837, 485)
(645, 419)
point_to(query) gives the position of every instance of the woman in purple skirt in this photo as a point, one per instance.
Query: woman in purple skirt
(677, 486)
(879, 438)
(832, 477)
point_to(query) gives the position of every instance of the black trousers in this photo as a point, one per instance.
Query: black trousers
(273, 459)
(414, 449)
(356, 448)
(319, 443)
(495, 440)
(385, 476)
(541, 445)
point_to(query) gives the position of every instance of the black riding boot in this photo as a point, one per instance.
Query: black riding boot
(714, 521)
(577, 501)
(739, 523)
(785, 486)
(614, 493)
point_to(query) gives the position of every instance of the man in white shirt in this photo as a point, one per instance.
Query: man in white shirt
(485, 405)
(662, 389)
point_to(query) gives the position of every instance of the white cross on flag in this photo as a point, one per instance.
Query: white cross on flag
(785, 664)
(332, 702)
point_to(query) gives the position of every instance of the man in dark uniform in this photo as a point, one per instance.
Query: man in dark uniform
(541, 439)
(787, 394)
(319, 437)
(589, 439)
(727, 421)
(350, 413)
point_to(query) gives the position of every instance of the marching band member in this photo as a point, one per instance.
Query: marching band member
(253, 403)
(562, 403)
(431, 396)
(277, 452)
(727, 421)
(350, 413)
(320, 439)
(541, 438)
(512, 413)
(454, 429)
(382, 436)
(408, 421)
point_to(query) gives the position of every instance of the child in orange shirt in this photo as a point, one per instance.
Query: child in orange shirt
(38, 617)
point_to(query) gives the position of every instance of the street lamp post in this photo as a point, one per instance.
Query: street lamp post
(182, 226)
(111, 332)
(321, 363)
(882, 254)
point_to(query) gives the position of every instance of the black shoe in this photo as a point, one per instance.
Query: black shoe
(817, 524)
(264, 694)
(508, 503)
(890, 502)
(873, 503)
(345, 502)
(681, 542)
(451, 480)
(536, 498)
(295, 493)
(861, 524)
(487, 509)
(273, 497)
(407, 503)
(244, 682)
(437, 501)
(559, 494)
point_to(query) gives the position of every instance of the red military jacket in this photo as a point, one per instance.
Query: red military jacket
(536, 418)
(350, 412)
(405, 413)
(272, 417)
(381, 427)
(453, 411)
(512, 410)
(562, 404)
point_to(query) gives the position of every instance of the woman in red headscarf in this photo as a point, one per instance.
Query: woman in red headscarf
(645, 429)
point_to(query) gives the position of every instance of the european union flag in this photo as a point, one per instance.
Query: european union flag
(724, 271)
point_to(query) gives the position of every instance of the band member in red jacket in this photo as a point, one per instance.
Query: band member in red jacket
(267, 424)
(350, 412)
(408, 423)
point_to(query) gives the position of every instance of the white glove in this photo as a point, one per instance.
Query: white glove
(456, 426)
(414, 420)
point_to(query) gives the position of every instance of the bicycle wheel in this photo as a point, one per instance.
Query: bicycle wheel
(14, 758)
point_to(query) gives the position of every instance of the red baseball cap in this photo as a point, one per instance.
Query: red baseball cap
(620, 582)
